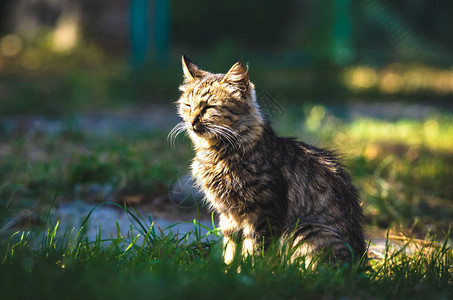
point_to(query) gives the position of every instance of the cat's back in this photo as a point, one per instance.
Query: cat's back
(310, 162)
(321, 191)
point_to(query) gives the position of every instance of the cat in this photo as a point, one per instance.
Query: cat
(264, 187)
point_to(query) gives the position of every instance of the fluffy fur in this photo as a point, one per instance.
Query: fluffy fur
(262, 186)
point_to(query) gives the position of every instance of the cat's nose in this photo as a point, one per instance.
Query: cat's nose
(195, 120)
(196, 125)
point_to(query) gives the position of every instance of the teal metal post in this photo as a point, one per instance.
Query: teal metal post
(343, 49)
(162, 29)
(139, 30)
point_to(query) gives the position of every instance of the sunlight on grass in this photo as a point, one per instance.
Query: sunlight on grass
(403, 169)
(145, 261)
(399, 78)
(434, 133)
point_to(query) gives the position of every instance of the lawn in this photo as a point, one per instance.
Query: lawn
(403, 168)
(185, 267)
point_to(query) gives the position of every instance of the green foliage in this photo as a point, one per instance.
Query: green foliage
(146, 262)
(404, 171)
(90, 169)
(203, 23)
(88, 166)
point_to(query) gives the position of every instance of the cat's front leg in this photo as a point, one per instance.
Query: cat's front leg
(249, 244)
(228, 227)
(229, 249)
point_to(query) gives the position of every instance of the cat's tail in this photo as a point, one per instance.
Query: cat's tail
(324, 243)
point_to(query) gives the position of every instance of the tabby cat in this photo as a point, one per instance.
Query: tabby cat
(262, 186)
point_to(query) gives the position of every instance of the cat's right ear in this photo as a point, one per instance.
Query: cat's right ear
(238, 76)
(191, 71)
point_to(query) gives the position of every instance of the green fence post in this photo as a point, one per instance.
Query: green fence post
(343, 51)
(139, 30)
(162, 29)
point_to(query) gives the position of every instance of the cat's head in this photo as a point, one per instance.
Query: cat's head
(218, 107)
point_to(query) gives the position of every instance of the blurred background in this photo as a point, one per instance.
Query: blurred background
(56, 56)
(87, 90)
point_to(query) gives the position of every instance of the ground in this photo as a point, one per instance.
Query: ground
(57, 171)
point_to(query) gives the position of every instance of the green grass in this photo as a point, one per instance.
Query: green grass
(168, 266)
(34, 167)
(403, 169)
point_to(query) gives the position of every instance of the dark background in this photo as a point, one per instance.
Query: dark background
(128, 52)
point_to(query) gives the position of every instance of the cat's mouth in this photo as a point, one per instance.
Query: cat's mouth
(211, 131)
(199, 129)
(202, 130)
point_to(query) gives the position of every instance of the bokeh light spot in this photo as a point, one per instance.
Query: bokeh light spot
(431, 127)
(360, 78)
(66, 34)
(10, 45)
(315, 117)
(391, 83)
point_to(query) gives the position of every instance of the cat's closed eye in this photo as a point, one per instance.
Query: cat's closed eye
(208, 107)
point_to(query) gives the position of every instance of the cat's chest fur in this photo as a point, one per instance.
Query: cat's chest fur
(224, 179)
(242, 183)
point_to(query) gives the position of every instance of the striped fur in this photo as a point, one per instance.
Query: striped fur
(261, 185)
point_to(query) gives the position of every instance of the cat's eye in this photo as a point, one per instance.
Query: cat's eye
(206, 107)
(186, 105)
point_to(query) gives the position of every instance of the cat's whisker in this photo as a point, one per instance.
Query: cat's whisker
(174, 130)
(172, 135)
(227, 133)
(221, 135)
(240, 141)
(229, 137)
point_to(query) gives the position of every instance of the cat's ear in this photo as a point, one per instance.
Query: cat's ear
(191, 71)
(238, 76)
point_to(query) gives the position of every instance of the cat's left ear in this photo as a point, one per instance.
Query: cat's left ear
(191, 71)
(238, 76)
